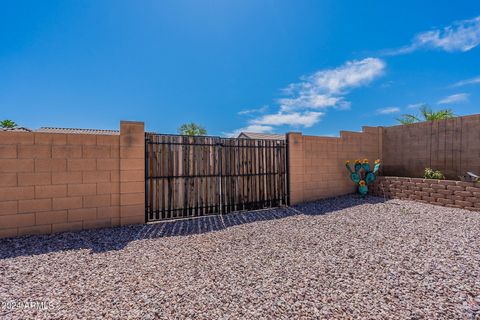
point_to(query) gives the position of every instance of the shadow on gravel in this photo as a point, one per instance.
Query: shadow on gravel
(104, 240)
(334, 204)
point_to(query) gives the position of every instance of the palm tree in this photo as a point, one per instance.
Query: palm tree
(192, 129)
(427, 114)
(8, 124)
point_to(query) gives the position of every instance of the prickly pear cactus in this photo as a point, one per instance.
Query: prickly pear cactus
(362, 174)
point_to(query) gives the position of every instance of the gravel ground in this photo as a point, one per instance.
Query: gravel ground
(339, 258)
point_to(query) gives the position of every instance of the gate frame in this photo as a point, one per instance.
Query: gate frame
(285, 194)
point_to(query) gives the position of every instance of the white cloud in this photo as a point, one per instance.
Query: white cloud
(295, 119)
(324, 89)
(388, 110)
(387, 84)
(415, 105)
(351, 74)
(251, 128)
(263, 109)
(331, 135)
(460, 36)
(454, 98)
(467, 82)
(308, 101)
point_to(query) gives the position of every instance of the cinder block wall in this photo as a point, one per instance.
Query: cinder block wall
(317, 164)
(454, 194)
(51, 182)
(451, 146)
(132, 173)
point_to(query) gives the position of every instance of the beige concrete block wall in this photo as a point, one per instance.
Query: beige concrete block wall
(451, 146)
(132, 173)
(52, 182)
(317, 164)
(449, 193)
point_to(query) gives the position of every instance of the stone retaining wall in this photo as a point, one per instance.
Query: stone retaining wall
(448, 193)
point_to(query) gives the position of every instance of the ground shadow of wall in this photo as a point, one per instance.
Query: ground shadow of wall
(104, 240)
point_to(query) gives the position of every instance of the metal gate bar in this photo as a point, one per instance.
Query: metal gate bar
(196, 176)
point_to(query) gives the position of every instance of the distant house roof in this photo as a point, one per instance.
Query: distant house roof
(267, 136)
(16, 129)
(77, 131)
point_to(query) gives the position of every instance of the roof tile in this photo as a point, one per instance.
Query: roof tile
(267, 136)
(77, 131)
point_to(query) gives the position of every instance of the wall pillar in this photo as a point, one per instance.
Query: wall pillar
(380, 143)
(296, 167)
(132, 172)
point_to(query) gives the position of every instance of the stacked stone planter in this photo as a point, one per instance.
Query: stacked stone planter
(448, 193)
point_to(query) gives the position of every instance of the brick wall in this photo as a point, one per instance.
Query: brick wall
(52, 182)
(317, 164)
(451, 146)
(132, 173)
(449, 193)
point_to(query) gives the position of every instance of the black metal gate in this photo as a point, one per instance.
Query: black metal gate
(189, 176)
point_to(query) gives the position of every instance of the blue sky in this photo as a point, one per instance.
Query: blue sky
(273, 66)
